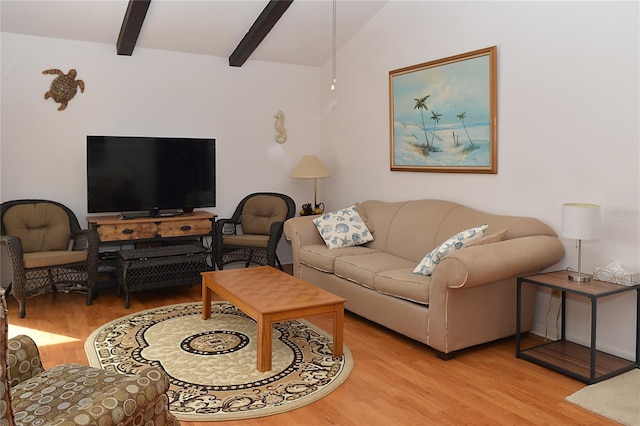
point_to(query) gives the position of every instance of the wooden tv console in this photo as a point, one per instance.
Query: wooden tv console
(115, 231)
(145, 229)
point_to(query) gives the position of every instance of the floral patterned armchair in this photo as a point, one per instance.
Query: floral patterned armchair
(74, 394)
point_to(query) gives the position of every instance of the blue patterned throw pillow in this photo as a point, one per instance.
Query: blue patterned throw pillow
(431, 260)
(343, 228)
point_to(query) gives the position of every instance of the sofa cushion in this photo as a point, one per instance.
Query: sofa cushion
(319, 257)
(365, 218)
(362, 269)
(403, 283)
(456, 242)
(488, 239)
(343, 228)
(409, 229)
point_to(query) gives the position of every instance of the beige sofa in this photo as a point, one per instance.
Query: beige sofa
(471, 296)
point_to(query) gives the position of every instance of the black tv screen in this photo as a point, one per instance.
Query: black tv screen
(150, 174)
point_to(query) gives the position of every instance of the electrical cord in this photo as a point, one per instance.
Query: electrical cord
(546, 330)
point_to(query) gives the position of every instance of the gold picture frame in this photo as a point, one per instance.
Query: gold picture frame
(443, 115)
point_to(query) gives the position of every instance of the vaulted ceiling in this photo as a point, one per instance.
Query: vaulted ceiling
(302, 35)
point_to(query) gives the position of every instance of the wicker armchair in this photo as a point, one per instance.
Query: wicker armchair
(72, 393)
(260, 217)
(47, 249)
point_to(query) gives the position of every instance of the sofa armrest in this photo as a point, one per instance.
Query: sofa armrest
(23, 359)
(472, 296)
(301, 231)
(479, 265)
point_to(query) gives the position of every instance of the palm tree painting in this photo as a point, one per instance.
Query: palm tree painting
(420, 105)
(458, 95)
(462, 116)
(435, 116)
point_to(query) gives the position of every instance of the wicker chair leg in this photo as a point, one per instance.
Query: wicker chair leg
(22, 311)
(52, 280)
(249, 259)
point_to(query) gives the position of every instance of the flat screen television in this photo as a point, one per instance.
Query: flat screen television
(144, 176)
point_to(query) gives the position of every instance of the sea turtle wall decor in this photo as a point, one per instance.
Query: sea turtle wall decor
(63, 87)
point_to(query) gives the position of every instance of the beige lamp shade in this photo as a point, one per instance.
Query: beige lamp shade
(581, 221)
(309, 167)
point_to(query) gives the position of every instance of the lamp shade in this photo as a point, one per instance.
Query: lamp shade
(581, 221)
(309, 167)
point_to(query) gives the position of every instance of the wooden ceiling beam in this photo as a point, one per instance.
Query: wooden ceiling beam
(258, 31)
(131, 26)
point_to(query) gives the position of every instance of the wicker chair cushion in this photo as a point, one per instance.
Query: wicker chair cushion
(40, 227)
(41, 259)
(246, 240)
(260, 212)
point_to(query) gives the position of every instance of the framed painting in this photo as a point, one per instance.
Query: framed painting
(443, 115)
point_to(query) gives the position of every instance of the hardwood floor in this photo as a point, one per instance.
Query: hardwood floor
(395, 381)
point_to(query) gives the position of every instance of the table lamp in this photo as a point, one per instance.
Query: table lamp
(310, 167)
(582, 222)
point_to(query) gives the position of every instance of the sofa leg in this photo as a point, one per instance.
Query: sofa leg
(444, 356)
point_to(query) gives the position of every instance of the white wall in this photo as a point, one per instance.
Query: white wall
(152, 93)
(568, 124)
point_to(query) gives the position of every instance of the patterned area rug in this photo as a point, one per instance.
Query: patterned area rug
(212, 363)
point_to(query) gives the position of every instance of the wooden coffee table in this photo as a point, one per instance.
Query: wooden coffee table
(269, 295)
